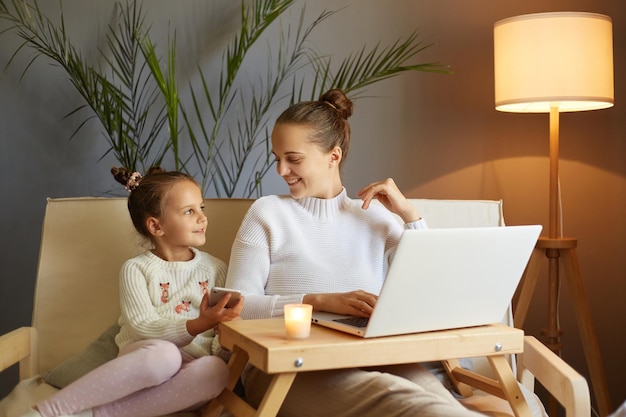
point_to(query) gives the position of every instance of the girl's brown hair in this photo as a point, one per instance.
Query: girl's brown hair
(148, 194)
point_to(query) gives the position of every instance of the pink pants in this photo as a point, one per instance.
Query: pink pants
(149, 378)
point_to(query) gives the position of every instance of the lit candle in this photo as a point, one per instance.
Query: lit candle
(298, 320)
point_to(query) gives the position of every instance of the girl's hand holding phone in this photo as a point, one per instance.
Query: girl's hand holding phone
(217, 293)
(211, 316)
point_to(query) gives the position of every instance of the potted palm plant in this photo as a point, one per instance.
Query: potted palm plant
(221, 134)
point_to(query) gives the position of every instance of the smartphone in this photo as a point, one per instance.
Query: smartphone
(217, 293)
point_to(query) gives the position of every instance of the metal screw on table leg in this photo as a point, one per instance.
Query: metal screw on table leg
(298, 362)
(498, 347)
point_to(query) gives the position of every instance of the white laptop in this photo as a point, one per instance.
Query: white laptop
(444, 279)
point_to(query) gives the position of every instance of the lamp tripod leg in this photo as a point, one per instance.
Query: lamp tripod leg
(587, 333)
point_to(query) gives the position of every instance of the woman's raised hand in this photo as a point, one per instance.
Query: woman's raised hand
(355, 303)
(388, 193)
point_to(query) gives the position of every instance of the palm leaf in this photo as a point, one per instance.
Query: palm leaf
(366, 67)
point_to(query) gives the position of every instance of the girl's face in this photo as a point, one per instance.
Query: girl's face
(308, 171)
(182, 223)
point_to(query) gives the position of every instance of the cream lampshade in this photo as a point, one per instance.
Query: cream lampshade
(562, 59)
(551, 63)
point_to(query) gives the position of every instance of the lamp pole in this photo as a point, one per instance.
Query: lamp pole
(552, 331)
(554, 226)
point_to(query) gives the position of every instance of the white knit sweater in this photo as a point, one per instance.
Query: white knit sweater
(286, 248)
(157, 298)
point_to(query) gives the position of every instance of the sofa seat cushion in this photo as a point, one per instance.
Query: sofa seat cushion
(26, 393)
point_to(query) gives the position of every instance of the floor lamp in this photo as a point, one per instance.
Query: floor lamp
(552, 63)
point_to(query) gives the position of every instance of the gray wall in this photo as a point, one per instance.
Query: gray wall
(437, 135)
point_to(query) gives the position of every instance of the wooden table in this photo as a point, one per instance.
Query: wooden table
(264, 345)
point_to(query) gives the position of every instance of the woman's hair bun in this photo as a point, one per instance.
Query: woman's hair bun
(338, 99)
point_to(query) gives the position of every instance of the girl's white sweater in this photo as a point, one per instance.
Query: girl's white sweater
(157, 298)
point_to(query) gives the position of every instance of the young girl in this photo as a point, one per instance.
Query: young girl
(320, 247)
(167, 341)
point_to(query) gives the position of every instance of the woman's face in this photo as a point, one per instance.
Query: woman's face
(308, 171)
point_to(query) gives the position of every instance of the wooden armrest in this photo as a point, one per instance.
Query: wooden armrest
(565, 384)
(20, 345)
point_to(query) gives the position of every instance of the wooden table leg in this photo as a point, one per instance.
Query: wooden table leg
(236, 364)
(509, 386)
(450, 365)
(238, 407)
(275, 394)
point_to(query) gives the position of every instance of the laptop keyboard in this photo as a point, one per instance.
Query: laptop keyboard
(354, 321)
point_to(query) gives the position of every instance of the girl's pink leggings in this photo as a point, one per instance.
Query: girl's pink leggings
(148, 378)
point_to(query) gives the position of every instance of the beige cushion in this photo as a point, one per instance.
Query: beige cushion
(83, 245)
(441, 214)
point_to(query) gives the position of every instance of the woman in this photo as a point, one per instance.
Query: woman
(319, 247)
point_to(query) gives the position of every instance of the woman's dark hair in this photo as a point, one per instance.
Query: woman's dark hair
(148, 194)
(327, 117)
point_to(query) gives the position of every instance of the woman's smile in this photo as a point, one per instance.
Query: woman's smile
(293, 181)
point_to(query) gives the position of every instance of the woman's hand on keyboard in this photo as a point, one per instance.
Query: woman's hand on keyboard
(355, 303)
